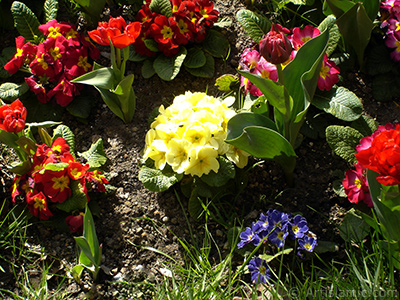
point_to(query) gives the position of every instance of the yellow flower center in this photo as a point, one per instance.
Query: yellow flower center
(60, 183)
(76, 173)
(263, 270)
(183, 28)
(324, 71)
(39, 203)
(54, 32)
(19, 52)
(280, 235)
(307, 246)
(55, 53)
(42, 63)
(397, 43)
(167, 32)
(265, 74)
(204, 13)
(83, 63)
(71, 34)
(295, 228)
(357, 182)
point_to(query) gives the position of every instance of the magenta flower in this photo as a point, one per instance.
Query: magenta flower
(393, 41)
(301, 36)
(249, 59)
(328, 75)
(356, 185)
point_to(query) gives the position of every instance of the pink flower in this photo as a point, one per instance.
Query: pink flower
(356, 186)
(328, 75)
(365, 142)
(301, 36)
(393, 41)
(75, 223)
(267, 70)
(249, 58)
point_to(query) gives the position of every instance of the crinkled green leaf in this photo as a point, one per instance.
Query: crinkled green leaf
(379, 61)
(67, 134)
(10, 91)
(225, 172)
(227, 82)
(334, 33)
(77, 201)
(225, 22)
(365, 125)
(148, 69)
(216, 44)
(158, 180)
(167, 68)
(254, 24)
(195, 58)
(380, 84)
(340, 102)
(162, 7)
(151, 45)
(206, 71)
(343, 141)
(338, 188)
(25, 21)
(3, 72)
(50, 8)
(95, 156)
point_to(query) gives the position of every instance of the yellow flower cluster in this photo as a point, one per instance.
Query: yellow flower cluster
(189, 135)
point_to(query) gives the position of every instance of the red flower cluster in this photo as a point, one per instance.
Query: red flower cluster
(12, 118)
(116, 30)
(49, 180)
(383, 155)
(63, 56)
(189, 22)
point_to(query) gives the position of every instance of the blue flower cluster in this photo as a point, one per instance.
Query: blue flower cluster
(276, 226)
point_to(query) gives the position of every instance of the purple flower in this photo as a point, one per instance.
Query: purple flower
(259, 270)
(264, 226)
(249, 236)
(298, 226)
(308, 242)
(278, 219)
(278, 236)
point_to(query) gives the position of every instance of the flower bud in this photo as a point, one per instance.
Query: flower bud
(275, 47)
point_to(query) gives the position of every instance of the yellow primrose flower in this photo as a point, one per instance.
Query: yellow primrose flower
(201, 161)
(166, 132)
(156, 152)
(150, 136)
(239, 157)
(197, 135)
(178, 155)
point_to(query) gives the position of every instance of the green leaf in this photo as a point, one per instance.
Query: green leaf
(89, 232)
(194, 206)
(167, 68)
(216, 44)
(195, 58)
(27, 144)
(151, 45)
(40, 112)
(77, 272)
(3, 72)
(356, 28)
(50, 8)
(45, 124)
(206, 71)
(20, 168)
(339, 7)
(85, 248)
(273, 91)
(227, 82)
(254, 24)
(10, 91)
(158, 180)
(81, 106)
(341, 103)
(100, 78)
(112, 101)
(67, 134)
(260, 141)
(225, 172)
(353, 227)
(25, 21)
(9, 138)
(56, 167)
(269, 258)
(148, 69)
(365, 125)
(134, 56)
(334, 33)
(95, 156)
(343, 141)
(45, 136)
(225, 22)
(338, 188)
(91, 9)
(379, 61)
(162, 7)
(77, 201)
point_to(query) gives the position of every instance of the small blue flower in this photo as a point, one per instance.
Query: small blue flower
(308, 242)
(298, 226)
(259, 270)
(278, 236)
(278, 219)
(264, 226)
(249, 236)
